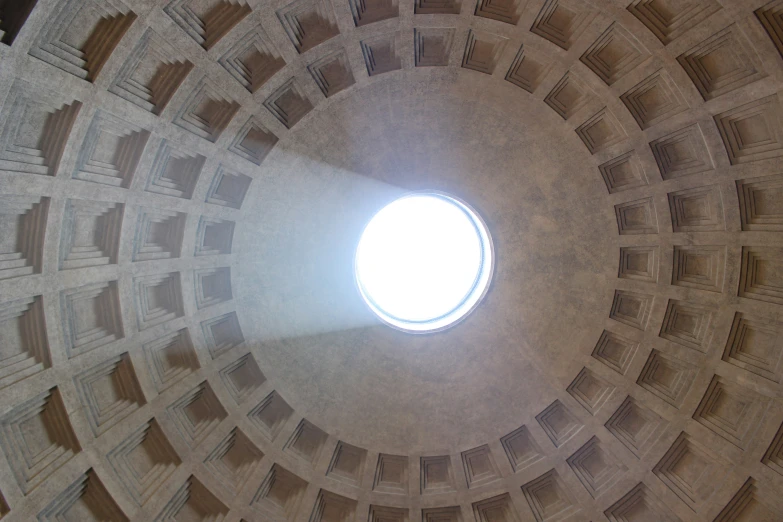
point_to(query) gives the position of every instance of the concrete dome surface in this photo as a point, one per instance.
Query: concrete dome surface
(183, 186)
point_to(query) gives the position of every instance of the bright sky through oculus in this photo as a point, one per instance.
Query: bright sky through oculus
(423, 262)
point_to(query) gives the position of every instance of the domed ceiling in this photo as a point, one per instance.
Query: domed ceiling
(183, 184)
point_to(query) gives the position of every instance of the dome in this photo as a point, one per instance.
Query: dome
(184, 185)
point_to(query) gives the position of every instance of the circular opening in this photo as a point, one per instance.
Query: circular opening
(424, 262)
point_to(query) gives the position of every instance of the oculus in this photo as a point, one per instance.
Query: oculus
(424, 262)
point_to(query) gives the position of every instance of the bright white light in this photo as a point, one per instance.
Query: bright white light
(423, 262)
